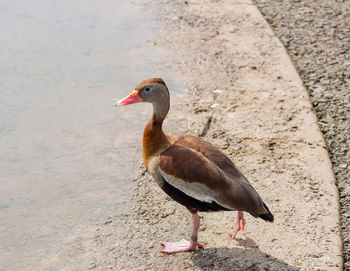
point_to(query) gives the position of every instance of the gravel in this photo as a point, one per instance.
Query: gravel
(316, 35)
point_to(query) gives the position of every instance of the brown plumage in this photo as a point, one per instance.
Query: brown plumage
(194, 160)
(190, 170)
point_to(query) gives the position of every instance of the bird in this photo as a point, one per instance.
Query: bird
(191, 171)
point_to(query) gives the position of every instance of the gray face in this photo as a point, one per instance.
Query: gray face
(154, 93)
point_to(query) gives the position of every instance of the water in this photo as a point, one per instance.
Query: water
(66, 155)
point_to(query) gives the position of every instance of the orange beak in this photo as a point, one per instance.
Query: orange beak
(131, 99)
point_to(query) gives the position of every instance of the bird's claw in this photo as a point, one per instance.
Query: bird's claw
(180, 246)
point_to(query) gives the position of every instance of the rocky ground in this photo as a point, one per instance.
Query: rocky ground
(244, 96)
(316, 35)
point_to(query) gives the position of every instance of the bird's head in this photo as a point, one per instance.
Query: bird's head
(153, 90)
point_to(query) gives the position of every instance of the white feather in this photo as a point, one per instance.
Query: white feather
(194, 189)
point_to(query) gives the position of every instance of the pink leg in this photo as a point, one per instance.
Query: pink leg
(239, 225)
(184, 245)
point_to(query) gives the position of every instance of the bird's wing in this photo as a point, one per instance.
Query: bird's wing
(198, 177)
(212, 153)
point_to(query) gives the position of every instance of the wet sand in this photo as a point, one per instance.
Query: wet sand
(263, 121)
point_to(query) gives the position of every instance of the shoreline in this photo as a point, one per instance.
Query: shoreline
(263, 120)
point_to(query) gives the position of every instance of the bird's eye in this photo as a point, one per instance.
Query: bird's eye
(147, 89)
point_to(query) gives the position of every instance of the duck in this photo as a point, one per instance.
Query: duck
(191, 171)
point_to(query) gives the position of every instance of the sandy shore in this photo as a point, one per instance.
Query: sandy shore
(262, 118)
(319, 45)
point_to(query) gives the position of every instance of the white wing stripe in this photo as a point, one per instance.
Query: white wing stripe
(195, 190)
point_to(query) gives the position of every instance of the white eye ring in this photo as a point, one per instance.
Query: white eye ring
(147, 89)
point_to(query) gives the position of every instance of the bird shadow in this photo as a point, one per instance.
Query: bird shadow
(249, 257)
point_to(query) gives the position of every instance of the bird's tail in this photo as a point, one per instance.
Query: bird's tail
(268, 216)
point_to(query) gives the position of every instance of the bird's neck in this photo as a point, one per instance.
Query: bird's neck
(154, 139)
